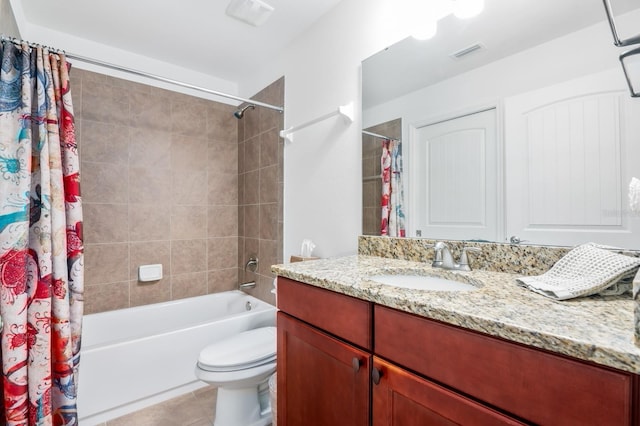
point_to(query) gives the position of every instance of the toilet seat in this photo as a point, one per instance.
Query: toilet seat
(249, 349)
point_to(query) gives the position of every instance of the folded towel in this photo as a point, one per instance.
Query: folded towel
(585, 270)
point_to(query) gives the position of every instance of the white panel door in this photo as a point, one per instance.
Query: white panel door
(454, 180)
(570, 150)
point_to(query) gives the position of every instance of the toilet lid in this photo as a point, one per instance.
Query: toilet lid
(244, 350)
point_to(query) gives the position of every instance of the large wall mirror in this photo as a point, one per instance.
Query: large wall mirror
(516, 125)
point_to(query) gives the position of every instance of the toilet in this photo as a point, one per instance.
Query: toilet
(240, 366)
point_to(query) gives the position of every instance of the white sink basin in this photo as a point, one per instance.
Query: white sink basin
(422, 282)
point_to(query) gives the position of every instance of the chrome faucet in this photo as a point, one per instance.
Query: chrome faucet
(444, 259)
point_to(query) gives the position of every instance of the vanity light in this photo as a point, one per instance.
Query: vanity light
(631, 66)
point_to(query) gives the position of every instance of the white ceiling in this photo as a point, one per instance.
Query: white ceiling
(504, 28)
(195, 34)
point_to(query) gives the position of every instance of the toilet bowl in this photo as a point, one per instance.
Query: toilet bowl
(240, 366)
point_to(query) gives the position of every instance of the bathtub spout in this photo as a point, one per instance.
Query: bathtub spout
(245, 286)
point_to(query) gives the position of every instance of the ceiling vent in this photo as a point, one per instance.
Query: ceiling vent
(467, 51)
(253, 12)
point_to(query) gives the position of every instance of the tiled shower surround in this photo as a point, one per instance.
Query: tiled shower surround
(174, 179)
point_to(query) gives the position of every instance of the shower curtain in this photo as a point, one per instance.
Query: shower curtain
(392, 223)
(41, 251)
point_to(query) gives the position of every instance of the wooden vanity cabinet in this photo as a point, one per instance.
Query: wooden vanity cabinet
(345, 361)
(323, 380)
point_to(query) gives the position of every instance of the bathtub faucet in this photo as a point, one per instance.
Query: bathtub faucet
(252, 266)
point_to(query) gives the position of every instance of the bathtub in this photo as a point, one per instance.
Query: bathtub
(136, 357)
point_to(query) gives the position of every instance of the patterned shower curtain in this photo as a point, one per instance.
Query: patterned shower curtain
(392, 190)
(41, 251)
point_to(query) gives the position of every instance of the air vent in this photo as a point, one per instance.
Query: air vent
(467, 51)
(254, 12)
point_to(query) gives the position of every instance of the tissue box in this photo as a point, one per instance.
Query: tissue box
(301, 259)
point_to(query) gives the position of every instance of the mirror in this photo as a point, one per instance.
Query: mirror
(566, 145)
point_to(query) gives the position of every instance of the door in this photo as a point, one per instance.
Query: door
(401, 398)
(454, 179)
(322, 381)
(570, 152)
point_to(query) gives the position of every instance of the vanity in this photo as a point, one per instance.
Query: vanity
(355, 352)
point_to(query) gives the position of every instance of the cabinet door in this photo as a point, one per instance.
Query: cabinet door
(322, 381)
(403, 399)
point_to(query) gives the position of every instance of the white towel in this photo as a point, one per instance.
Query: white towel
(587, 269)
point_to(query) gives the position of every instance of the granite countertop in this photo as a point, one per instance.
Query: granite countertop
(597, 329)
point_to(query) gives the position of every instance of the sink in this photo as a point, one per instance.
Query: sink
(422, 282)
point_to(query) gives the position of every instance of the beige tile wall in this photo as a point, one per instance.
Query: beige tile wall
(160, 184)
(260, 165)
(372, 188)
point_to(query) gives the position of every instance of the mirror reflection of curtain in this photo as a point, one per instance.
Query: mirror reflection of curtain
(392, 202)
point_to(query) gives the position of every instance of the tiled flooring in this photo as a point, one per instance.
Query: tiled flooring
(193, 409)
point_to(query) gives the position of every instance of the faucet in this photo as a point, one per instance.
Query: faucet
(444, 259)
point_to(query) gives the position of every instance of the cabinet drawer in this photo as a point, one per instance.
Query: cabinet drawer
(532, 384)
(343, 316)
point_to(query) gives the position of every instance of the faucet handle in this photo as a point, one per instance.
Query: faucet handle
(437, 259)
(464, 259)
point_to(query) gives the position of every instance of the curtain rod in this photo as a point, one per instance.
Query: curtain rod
(375, 135)
(146, 74)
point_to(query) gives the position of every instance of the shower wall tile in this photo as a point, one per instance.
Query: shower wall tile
(219, 127)
(189, 152)
(252, 154)
(188, 256)
(222, 280)
(269, 184)
(105, 143)
(163, 174)
(106, 263)
(223, 189)
(223, 221)
(149, 111)
(149, 222)
(150, 148)
(104, 183)
(188, 222)
(219, 154)
(149, 292)
(189, 188)
(222, 253)
(149, 185)
(189, 117)
(106, 297)
(105, 223)
(188, 285)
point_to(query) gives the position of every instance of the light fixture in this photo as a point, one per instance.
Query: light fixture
(253, 12)
(465, 9)
(614, 30)
(631, 66)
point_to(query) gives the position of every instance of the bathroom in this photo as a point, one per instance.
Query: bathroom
(321, 167)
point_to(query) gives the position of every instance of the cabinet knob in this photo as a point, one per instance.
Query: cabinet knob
(376, 375)
(356, 364)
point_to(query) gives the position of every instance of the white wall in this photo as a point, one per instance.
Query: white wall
(322, 191)
(7, 21)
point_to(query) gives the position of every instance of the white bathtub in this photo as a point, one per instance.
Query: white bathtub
(132, 358)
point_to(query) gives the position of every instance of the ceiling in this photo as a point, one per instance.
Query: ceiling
(195, 34)
(504, 28)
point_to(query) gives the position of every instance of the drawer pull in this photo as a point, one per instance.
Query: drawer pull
(376, 375)
(356, 364)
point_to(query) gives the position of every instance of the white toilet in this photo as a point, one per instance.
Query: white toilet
(240, 366)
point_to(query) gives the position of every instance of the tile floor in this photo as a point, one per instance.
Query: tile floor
(192, 409)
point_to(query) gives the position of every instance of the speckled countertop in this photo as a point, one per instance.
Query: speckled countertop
(597, 329)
